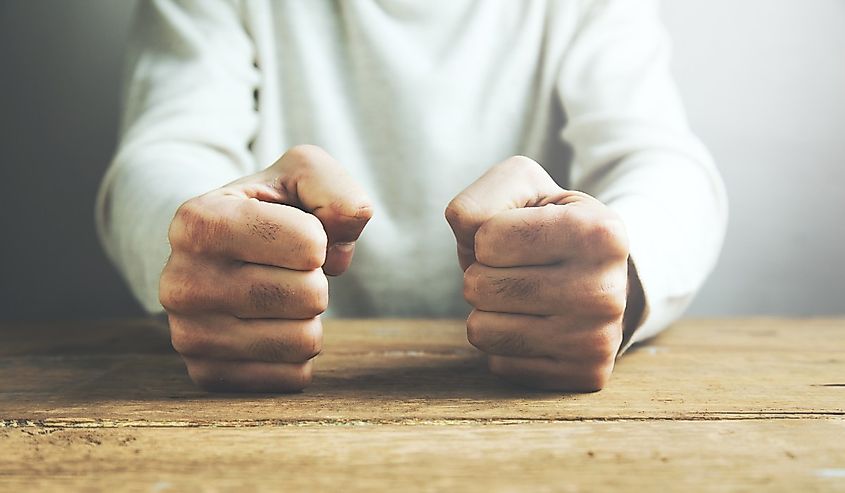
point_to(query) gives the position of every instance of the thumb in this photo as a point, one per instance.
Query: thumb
(307, 177)
(514, 183)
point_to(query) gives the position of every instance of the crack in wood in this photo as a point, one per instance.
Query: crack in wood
(107, 423)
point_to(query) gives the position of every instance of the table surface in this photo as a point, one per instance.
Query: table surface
(739, 404)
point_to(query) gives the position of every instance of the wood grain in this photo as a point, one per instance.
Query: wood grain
(710, 405)
(754, 455)
(391, 370)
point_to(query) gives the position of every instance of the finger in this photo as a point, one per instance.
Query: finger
(594, 291)
(564, 337)
(267, 292)
(549, 374)
(338, 258)
(223, 337)
(515, 183)
(248, 376)
(582, 229)
(249, 230)
(316, 182)
(244, 291)
(511, 334)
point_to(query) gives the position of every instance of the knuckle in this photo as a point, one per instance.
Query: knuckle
(310, 160)
(474, 329)
(304, 346)
(178, 292)
(188, 342)
(317, 297)
(472, 280)
(611, 297)
(610, 306)
(313, 242)
(488, 239)
(595, 379)
(521, 163)
(608, 235)
(617, 305)
(526, 167)
(313, 337)
(166, 292)
(300, 377)
(463, 213)
(189, 221)
(204, 374)
(194, 228)
(249, 208)
(453, 211)
(185, 217)
(604, 343)
(304, 155)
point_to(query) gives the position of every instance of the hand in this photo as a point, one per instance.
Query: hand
(244, 287)
(546, 270)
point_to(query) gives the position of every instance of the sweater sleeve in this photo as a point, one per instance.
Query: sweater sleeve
(189, 117)
(634, 151)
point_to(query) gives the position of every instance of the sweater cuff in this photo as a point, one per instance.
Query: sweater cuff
(648, 256)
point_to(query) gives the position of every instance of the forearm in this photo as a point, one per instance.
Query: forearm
(675, 211)
(189, 116)
(634, 151)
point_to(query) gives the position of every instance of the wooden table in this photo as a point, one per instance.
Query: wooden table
(710, 405)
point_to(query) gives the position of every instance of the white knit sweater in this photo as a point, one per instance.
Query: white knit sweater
(416, 99)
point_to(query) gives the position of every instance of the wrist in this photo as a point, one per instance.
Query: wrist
(634, 307)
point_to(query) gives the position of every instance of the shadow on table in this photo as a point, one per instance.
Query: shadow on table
(137, 366)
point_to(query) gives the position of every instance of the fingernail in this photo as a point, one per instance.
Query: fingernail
(343, 247)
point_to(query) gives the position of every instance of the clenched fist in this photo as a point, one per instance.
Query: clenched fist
(245, 282)
(547, 272)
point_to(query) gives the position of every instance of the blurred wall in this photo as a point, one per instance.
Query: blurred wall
(764, 82)
(60, 69)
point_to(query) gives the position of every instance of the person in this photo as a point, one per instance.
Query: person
(584, 212)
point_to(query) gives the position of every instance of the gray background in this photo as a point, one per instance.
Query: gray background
(764, 83)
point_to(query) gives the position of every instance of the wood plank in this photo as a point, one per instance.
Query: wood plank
(752, 455)
(149, 336)
(396, 371)
(58, 338)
